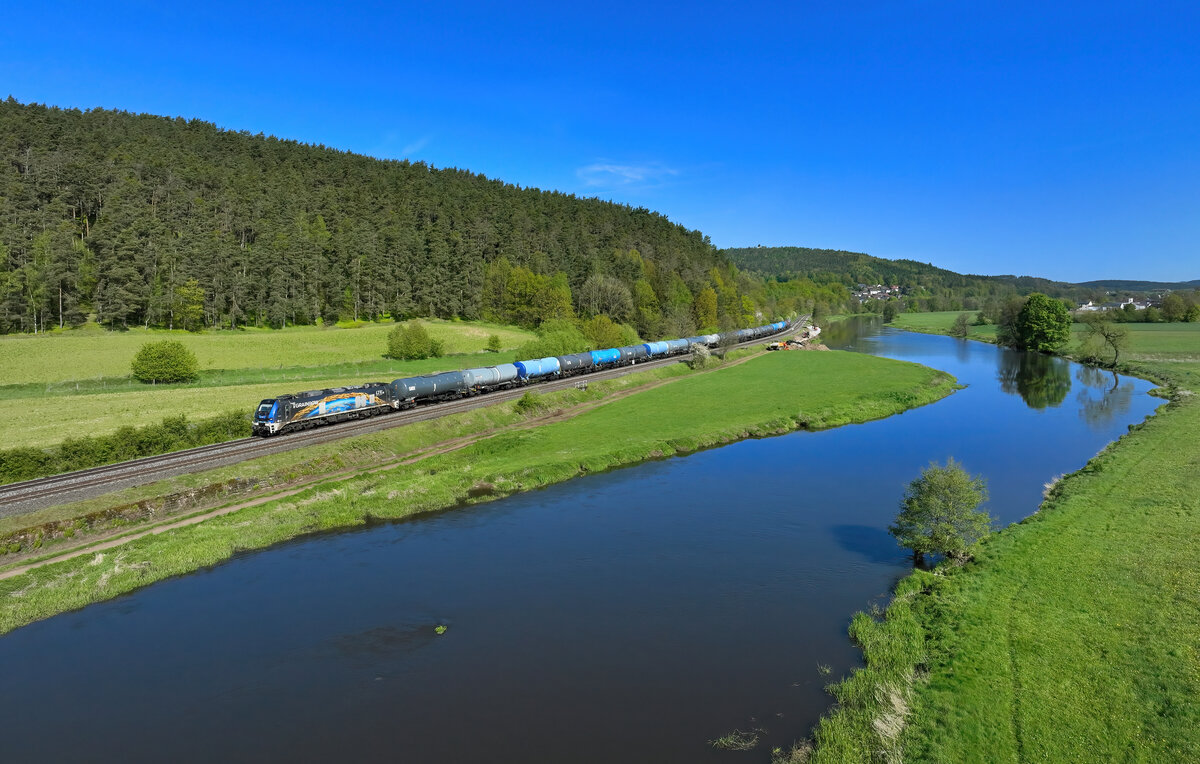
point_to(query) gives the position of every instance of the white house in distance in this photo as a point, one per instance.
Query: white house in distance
(1137, 305)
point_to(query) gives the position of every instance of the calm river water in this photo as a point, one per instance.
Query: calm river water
(620, 617)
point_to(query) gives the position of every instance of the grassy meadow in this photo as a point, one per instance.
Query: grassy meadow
(1147, 342)
(1074, 635)
(91, 352)
(843, 388)
(40, 389)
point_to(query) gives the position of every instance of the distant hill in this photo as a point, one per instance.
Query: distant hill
(852, 268)
(1123, 285)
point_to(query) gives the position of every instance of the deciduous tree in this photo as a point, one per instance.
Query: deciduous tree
(1103, 333)
(939, 513)
(1042, 324)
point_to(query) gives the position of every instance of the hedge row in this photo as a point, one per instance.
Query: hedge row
(175, 433)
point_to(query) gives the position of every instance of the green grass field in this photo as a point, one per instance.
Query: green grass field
(40, 409)
(1075, 635)
(89, 353)
(940, 323)
(1148, 342)
(843, 388)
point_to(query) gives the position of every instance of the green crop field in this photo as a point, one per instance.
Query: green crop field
(1075, 635)
(90, 352)
(844, 388)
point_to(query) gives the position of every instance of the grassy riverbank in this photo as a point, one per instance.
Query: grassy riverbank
(769, 394)
(1074, 636)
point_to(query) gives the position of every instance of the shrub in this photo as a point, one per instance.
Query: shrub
(410, 341)
(961, 322)
(164, 361)
(701, 356)
(529, 404)
(172, 434)
(493, 344)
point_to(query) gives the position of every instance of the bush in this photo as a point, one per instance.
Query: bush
(529, 404)
(164, 361)
(408, 342)
(701, 356)
(493, 344)
(173, 434)
(961, 322)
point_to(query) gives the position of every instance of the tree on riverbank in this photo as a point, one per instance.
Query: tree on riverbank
(1042, 323)
(961, 324)
(1103, 332)
(939, 513)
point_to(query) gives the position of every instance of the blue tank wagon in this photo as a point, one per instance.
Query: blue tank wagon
(538, 367)
(606, 357)
(655, 349)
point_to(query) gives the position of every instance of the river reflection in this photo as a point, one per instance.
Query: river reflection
(629, 616)
(1041, 380)
(1104, 397)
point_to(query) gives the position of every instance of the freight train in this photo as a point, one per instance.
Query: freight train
(302, 411)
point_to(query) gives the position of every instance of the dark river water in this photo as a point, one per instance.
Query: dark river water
(621, 617)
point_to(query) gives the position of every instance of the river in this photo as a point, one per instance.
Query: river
(621, 617)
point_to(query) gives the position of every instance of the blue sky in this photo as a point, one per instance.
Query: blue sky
(1052, 139)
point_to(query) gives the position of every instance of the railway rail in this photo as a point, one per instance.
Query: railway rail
(32, 495)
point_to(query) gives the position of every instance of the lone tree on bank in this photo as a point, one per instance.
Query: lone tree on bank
(1042, 324)
(939, 514)
(961, 323)
(164, 361)
(1102, 333)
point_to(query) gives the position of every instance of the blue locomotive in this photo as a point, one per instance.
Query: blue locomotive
(301, 411)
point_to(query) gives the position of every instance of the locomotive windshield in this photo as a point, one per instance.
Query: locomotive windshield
(264, 409)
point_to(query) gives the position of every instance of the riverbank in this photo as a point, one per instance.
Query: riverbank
(770, 394)
(1073, 635)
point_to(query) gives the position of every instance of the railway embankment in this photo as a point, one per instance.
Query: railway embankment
(1074, 635)
(477, 456)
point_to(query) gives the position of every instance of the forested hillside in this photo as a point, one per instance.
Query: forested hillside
(146, 220)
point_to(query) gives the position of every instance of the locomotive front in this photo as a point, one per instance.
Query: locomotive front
(268, 418)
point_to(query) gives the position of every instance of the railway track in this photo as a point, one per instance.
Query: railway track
(32, 495)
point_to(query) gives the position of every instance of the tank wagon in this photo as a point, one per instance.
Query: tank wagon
(303, 410)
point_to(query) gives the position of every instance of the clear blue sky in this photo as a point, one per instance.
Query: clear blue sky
(1051, 138)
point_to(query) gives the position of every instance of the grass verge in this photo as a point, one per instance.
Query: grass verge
(769, 394)
(1074, 635)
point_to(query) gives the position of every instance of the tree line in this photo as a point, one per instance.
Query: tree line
(134, 219)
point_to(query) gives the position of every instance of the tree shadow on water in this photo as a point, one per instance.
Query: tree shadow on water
(875, 544)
